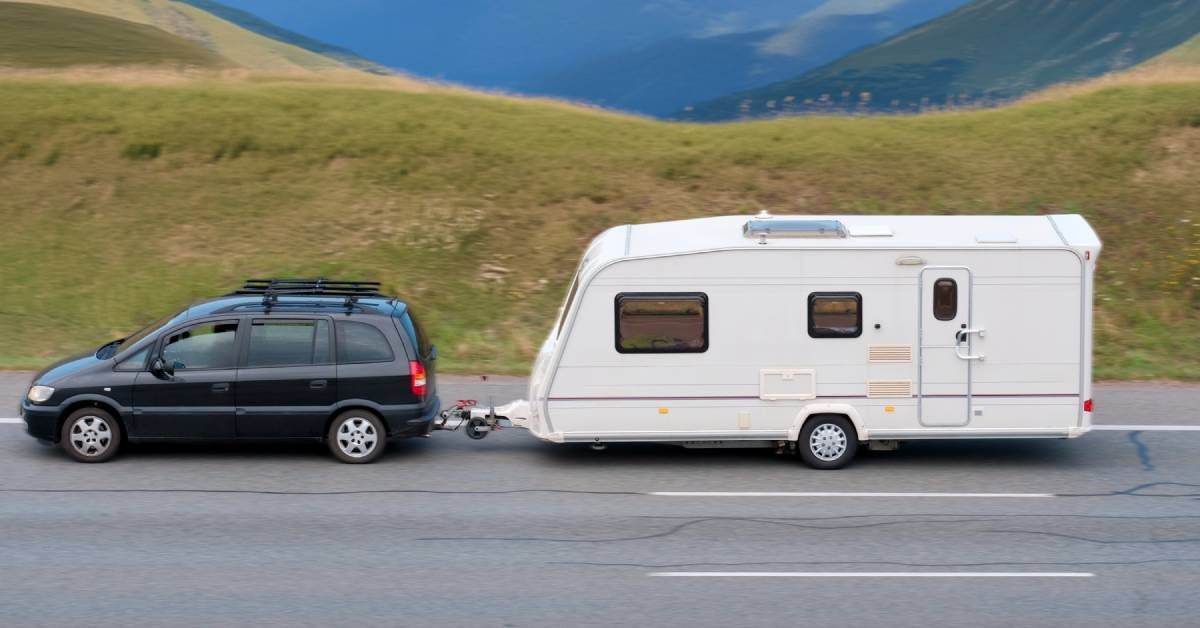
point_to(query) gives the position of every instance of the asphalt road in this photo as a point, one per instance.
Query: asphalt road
(1098, 531)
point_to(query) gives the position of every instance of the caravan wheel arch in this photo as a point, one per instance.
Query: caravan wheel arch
(827, 408)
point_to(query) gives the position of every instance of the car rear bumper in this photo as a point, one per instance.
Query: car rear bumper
(403, 424)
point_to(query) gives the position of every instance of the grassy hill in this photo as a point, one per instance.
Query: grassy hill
(255, 24)
(986, 52)
(33, 35)
(122, 202)
(240, 46)
(1187, 53)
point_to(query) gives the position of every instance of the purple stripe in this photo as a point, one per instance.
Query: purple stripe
(818, 397)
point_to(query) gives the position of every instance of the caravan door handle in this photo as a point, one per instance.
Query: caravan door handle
(960, 338)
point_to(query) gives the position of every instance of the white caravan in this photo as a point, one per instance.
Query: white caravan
(817, 333)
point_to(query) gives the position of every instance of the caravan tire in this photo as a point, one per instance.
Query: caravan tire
(827, 441)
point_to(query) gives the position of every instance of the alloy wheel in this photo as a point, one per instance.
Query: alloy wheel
(90, 435)
(356, 437)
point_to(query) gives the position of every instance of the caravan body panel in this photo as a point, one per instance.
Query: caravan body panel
(1012, 359)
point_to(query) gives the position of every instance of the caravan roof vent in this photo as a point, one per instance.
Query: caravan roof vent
(777, 228)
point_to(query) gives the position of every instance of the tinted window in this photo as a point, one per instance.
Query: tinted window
(209, 346)
(662, 323)
(835, 315)
(945, 299)
(323, 348)
(415, 333)
(288, 343)
(135, 362)
(359, 342)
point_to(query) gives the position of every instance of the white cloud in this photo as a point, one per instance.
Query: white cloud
(853, 7)
(724, 24)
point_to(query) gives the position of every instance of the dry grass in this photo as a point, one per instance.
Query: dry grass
(1140, 76)
(242, 47)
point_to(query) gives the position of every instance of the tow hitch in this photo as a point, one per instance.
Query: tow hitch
(475, 421)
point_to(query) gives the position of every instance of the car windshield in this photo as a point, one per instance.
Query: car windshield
(123, 346)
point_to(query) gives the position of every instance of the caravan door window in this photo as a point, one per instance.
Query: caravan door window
(662, 322)
(835, 315)
(945, 299)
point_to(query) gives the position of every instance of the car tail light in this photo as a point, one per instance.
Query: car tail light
(419, 381)
(1087, 406)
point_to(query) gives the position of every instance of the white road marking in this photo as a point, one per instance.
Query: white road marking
(12, 421)
(848, 494)
(1147, 428)
(872, 574)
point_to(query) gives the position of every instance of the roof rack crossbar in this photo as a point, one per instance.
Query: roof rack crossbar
(272, 289)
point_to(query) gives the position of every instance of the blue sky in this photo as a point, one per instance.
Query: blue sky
(502, 43)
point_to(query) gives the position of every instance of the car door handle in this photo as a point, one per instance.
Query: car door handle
(318, 384)
(221, 387)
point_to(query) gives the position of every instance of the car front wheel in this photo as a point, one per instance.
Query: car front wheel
(91, 435)
(356, 437)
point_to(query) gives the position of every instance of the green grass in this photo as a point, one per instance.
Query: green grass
(33, 35)
(121, 203)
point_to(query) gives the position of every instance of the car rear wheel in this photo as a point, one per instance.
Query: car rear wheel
(91, 435)
(356, 437)
(827, 442)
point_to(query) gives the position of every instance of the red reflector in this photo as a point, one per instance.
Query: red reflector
(1087, 406)
(417, 370)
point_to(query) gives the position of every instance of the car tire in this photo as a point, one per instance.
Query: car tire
(91, 435)
(356, 437)
(827, 441)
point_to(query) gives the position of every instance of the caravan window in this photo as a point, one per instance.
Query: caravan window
(945, 299)
(835, 315)
(662, 322)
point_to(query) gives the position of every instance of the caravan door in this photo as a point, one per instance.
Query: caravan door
(946, 341)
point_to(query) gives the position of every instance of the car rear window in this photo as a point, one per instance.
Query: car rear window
(415, 333)
(360, 342)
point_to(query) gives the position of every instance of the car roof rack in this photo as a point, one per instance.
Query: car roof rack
(272, 289)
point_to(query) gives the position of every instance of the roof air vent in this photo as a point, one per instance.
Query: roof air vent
(785, 228)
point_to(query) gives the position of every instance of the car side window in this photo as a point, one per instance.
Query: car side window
(135, 362)
(288, 343)
(360, 342)
(206, 346)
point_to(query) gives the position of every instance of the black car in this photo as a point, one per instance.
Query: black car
(279, 358)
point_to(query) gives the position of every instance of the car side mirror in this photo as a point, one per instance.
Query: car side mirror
(161, 368)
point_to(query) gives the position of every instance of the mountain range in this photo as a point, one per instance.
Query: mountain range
(666, 76)
(987, 52)
(695, 60)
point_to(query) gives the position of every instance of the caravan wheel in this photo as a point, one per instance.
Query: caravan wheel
(827, 442)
